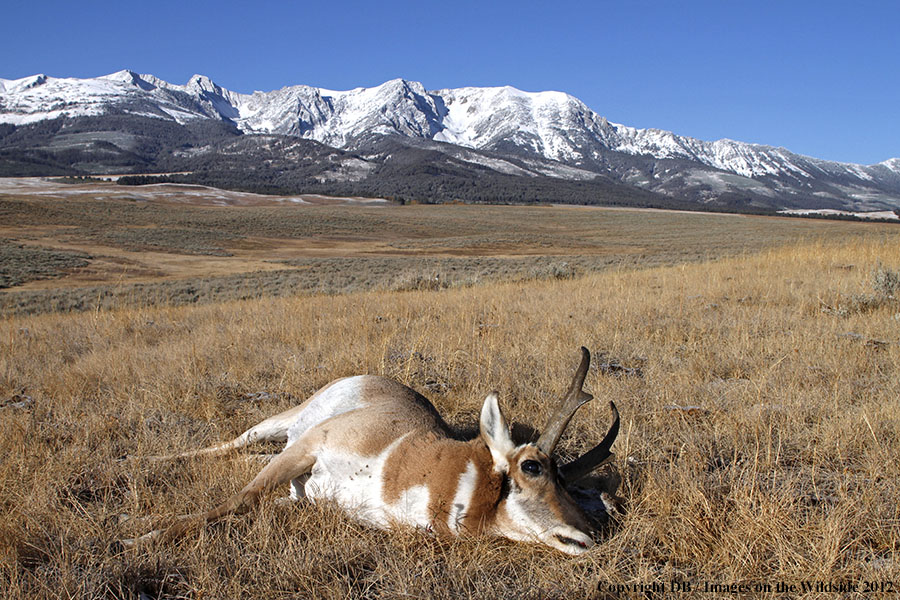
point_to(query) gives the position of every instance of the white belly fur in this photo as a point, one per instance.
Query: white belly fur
(355, 483)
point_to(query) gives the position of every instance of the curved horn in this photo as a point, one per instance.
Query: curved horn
(590, 460)
(574, 398)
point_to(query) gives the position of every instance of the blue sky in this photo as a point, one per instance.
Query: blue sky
(819, 78)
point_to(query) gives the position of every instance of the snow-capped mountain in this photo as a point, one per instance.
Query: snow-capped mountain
(549, 127)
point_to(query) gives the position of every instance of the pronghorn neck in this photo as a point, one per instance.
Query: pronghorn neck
(460, 485)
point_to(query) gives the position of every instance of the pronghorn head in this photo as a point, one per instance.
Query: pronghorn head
(534, 504)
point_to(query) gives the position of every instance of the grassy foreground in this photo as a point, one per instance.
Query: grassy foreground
(758, 449)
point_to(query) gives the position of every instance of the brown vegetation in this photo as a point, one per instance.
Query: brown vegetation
(97, 245)
(759, 445)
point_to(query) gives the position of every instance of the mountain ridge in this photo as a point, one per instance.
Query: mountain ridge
(546, 126)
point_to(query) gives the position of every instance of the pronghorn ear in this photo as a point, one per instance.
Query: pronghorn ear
(495, 432)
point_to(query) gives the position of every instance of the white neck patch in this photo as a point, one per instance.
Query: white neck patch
(465, 489)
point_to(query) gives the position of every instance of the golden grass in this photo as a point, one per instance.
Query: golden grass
(787, 472)
(139, 237)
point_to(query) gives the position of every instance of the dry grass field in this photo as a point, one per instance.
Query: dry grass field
(759, 443)
(759, 447)
(97, 245)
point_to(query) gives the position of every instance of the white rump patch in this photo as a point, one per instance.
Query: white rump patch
(343, 396)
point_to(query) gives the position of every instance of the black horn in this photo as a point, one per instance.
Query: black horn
(575, 397)
(590, 460)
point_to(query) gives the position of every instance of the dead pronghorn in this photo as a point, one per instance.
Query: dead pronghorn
(382, 452)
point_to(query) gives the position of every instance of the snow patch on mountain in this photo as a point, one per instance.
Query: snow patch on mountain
(337, 118)
(719, 182)
(550, 126)
(883, 214)
(39, 97)
(489, 118)
(12, 86)
(495, 164)
(892, 164)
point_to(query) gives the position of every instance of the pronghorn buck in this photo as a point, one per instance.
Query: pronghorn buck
(382, 452)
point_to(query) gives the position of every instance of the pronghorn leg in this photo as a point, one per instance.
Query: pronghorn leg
(259, 458)
(273, 429)
(298, 487)
(291, 465)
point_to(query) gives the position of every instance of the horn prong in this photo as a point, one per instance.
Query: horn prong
(575, 397)
(596, 456)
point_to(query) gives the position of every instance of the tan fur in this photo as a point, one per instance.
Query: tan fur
(439, 463)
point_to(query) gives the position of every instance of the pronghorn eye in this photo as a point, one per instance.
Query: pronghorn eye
(532, 467)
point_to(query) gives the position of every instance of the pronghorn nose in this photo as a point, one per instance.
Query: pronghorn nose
(570, 540)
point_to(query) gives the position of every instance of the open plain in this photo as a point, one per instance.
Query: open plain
(96, 244)
(760, 425)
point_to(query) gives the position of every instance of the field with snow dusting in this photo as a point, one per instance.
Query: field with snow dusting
(887, 215)
(89, 245)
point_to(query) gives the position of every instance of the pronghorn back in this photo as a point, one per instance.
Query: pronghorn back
(388, 408)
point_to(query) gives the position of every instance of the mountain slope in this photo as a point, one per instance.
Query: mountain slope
(550, 134)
